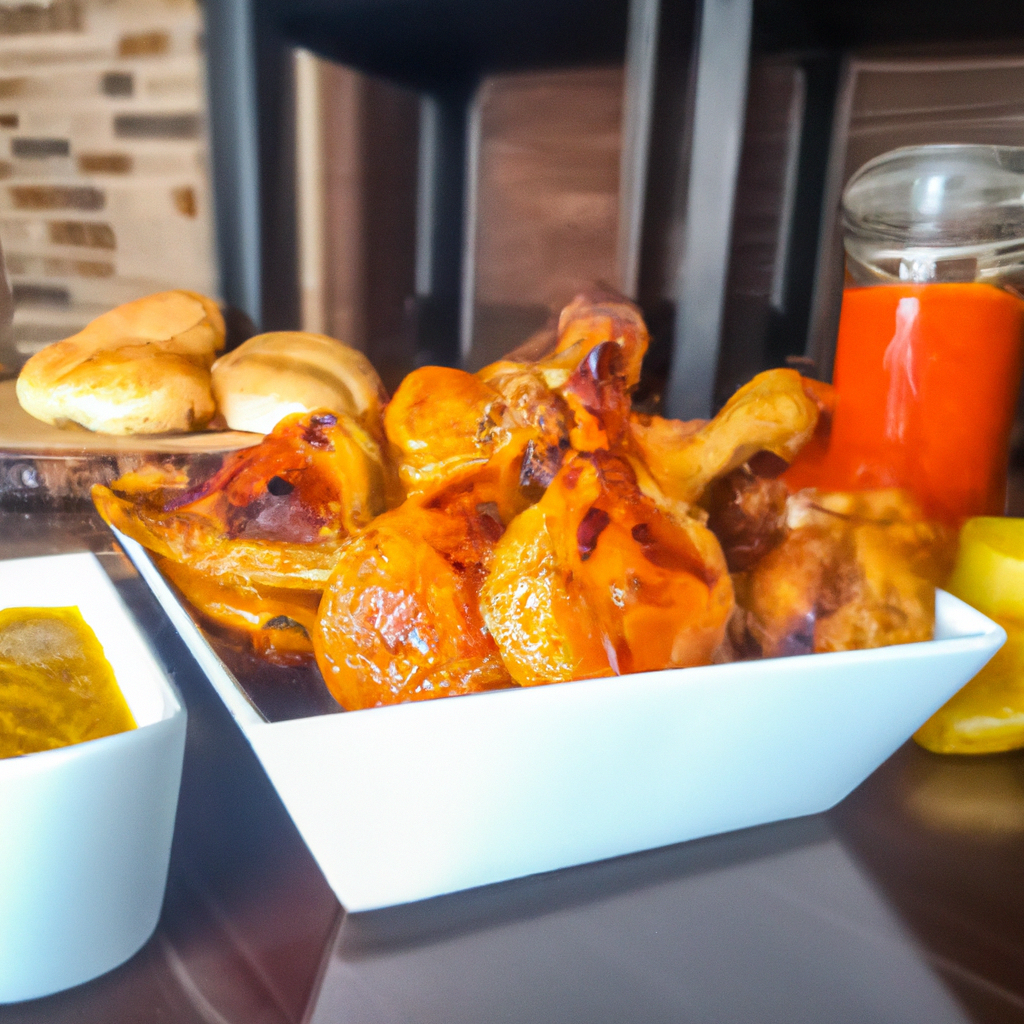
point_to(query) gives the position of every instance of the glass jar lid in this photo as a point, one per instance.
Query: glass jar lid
(937, 213)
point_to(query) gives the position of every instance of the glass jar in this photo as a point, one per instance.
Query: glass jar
(929, 351)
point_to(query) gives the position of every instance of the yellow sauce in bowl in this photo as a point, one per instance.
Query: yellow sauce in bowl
(56, 685)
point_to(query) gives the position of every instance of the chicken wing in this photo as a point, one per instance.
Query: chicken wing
(591, 319)
(578, 394)
(277, 621)
(273, 515)
(855, 570)
(773, 412)
(595, 579)
(400, 617)
(446, 426)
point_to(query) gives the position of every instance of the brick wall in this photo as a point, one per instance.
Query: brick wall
(104, 187)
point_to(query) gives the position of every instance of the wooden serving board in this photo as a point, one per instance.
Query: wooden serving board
(42, 466)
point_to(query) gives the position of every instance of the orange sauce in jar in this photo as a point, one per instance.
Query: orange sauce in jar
(926, 379)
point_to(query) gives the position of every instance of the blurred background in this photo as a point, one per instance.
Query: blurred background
(432, 181)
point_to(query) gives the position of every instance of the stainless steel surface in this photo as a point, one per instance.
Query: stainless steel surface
(904, 904)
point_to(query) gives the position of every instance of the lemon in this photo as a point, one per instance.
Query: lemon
(987, 715)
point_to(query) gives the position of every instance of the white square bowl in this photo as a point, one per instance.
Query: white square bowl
(407, 802)
(85, 830)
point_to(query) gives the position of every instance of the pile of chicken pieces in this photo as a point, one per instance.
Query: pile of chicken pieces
(524, 525)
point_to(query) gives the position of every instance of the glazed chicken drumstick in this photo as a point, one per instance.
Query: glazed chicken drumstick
(524, 525)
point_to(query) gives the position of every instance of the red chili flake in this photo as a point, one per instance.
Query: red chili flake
(490, 521)
(595, 373)
(540, 464)
(680, 556)
(572, 477)
(315, 435)
(642, 534)
(589, 530)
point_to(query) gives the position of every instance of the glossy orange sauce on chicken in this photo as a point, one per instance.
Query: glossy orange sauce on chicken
(524, 525)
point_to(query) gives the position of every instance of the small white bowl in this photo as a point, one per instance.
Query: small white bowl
(408, 802)
(85, 830)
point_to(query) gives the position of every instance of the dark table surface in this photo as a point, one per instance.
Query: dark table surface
(905, 903)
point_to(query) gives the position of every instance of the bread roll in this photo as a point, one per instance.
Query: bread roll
(142, 368)
(273, 375)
